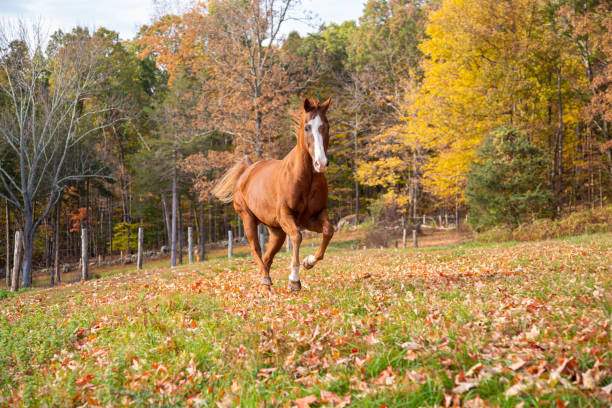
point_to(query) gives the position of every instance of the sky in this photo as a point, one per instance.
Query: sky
(126, 16)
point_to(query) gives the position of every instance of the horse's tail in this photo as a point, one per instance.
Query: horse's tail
(224, 190)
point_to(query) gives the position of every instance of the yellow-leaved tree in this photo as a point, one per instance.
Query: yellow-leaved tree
(490, 63)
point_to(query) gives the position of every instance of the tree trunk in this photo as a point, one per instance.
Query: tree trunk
(87, 206)
(140, 248)
(258, 122)
(190, 244)
(16, 261)
(8, 245)
(355, 132)
(110, 227)
(214, 218)
(210, 223)
(56, 243)
(559, 147)
(456, 210)
(84, 256)
(404, 230)
(129, 229)
(166, 219)
(230, 244)
(202, 233)
(181, 238)
(28, 247)
(173, 226)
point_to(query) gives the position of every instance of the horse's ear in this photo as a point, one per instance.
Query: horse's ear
(309, 105)
(325, 105)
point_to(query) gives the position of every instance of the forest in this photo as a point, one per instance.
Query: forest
(485, 111)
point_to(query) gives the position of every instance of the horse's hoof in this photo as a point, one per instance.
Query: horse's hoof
(295, 286)
(309, 262)
(266, 281)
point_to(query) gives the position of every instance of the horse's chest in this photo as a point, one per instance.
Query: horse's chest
(310, 201)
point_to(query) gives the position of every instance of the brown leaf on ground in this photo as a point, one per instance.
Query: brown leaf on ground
(305, 402)
(474, 370)
(588, 380)
(476, 402)
(516, 389)
(464, 386)
(517, 365)
(386, 377)
(332, 398)
(533, 333)
(409, 345)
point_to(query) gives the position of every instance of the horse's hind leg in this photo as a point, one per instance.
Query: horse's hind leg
(319, 224)
(250, 228)
(277, 239)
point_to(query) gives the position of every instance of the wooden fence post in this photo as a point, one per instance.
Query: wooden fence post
(190, 243)
(230, 243)
(404, 237)
(140, 249)
(16, 262)
(414, 238)
(84, 256)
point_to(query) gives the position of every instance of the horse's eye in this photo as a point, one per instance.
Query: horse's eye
(307, 128)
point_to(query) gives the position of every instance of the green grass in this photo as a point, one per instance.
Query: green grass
(393, 327)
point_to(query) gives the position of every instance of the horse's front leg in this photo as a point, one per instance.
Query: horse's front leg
(289, 225)
(319, 224)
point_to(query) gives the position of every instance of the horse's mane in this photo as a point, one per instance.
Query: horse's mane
(297, 117)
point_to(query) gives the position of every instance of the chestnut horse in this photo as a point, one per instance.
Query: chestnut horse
(286, 195)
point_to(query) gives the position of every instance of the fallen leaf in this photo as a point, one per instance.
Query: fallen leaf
(588, 380)
(516, 389)
(464, 386)
(81, 382)
(305, 402)
(371, 340)
(533, 333)
(476, 402)
(517, 365)
(236, 387)
(409, 345)
(474, 370)
(226, 402)
(332, 398)
(386, 377)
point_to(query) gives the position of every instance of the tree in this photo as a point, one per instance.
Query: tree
(508, 181)
(528, 63)
(44, 118)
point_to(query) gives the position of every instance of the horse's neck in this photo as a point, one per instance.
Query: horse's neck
(300, 160)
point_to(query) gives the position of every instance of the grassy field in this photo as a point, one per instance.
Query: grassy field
(474, 325)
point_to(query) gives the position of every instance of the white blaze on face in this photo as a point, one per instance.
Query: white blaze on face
(319, 161)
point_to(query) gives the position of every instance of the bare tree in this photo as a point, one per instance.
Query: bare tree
(241, 42)
(45, 114)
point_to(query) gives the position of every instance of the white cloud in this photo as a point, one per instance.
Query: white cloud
(124, 16)
(127, 16)
(327, 11)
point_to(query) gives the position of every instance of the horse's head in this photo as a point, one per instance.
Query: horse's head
(316, 132)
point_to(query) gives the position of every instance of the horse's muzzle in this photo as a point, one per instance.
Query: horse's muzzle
(319, 167)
